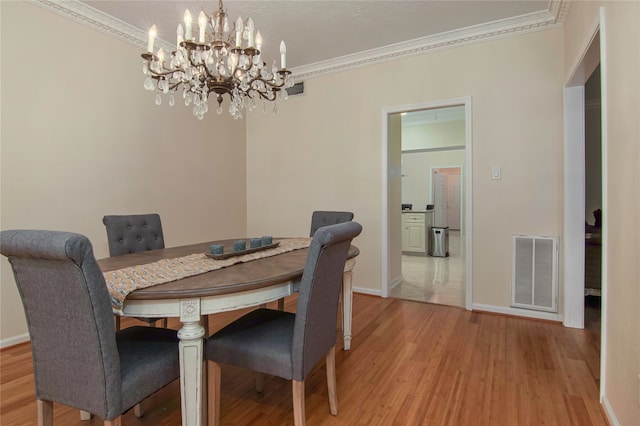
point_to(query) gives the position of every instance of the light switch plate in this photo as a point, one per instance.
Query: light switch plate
(496, 173)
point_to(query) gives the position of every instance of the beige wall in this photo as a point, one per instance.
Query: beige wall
(433, 135)
(416, 172)
(620, 67)
(324, 151)
(81, 138)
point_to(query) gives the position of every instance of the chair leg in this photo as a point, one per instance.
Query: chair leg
(117, 317)
(165, 322)
(298, 402)
(331, 380)
(45, 413)
(115, 422)
(138, 410)
(85, 415)
(213, 391)
(281, 304)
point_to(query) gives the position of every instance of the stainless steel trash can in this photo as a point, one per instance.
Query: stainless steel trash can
(439, 241)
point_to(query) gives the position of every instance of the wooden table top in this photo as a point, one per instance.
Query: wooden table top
(239, 277)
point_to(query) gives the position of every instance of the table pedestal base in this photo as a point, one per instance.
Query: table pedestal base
(191, 359)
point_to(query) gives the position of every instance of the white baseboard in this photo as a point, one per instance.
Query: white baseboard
(397, 280)
(370, 291)
(550, 316)
(611, 415)
(5, 343)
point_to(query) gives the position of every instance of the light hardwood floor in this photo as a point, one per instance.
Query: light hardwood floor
(411, 364)
(430, 279)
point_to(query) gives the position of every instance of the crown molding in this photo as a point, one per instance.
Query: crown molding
(553, 17)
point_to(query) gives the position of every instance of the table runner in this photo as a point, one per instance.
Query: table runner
(121, 282)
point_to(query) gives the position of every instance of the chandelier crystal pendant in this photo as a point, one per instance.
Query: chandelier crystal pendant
(219, 62)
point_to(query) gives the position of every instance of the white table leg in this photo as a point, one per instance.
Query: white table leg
(191, 358)
(347, 302)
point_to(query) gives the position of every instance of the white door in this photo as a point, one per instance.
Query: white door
(439, 199)
(453, 201)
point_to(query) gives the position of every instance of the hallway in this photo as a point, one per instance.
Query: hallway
(438, 280)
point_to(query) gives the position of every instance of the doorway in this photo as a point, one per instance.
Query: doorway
(425, 277)
(447, 192)
(593, 203)
(395, 177)
(575, 182)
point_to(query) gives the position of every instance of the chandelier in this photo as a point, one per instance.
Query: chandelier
(220, 62)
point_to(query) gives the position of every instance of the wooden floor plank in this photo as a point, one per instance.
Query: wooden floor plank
(411, 363)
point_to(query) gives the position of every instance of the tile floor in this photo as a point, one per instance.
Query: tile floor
(434, 279)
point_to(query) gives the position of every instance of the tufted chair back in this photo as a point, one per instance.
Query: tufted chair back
(78, 358)
(325, 218)
(133, 233)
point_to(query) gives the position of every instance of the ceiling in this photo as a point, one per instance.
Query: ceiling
(317, 31)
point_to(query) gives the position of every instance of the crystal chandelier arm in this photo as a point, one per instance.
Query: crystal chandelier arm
(163, 73)
(269, 86)
(204, 70)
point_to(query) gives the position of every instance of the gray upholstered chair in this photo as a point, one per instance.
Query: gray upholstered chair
(319, 219)
(131, 234)
(285, 344)
(78, 358)
(324, 218)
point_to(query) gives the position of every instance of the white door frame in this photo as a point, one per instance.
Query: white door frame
(574, 176)
(468, 217)
(574, 180)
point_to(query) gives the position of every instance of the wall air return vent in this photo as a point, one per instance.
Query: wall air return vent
(534, 272)
(296, 89)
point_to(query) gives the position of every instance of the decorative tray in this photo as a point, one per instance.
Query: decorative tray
(240, 253)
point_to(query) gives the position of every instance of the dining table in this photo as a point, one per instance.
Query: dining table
(245, 284)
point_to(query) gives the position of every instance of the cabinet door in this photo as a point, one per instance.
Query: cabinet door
(405, 237)
(415, 240)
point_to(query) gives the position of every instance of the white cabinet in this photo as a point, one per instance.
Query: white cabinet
(415, 230)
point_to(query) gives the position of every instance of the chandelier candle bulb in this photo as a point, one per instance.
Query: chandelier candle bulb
(258, 41)
(283, 55)
(250, 29)
(202, 22)
(152, 39)
(239, 28)
(187, 24)
(180, 35)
